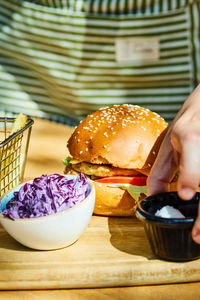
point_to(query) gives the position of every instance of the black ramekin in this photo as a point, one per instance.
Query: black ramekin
(170, 239)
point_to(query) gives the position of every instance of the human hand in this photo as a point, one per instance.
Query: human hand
(180, 148)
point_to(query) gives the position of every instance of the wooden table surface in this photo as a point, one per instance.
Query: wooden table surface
(46, 151)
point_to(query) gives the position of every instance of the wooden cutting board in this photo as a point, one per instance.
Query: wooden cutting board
(112, 252)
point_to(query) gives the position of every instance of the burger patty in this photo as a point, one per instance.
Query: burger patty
(101, 170)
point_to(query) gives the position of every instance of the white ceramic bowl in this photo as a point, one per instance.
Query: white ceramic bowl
(54, 231)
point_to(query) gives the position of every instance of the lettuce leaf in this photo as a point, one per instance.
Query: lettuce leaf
(134, 190)
(66, 161)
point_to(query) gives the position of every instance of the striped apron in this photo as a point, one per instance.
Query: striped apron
(62, 59)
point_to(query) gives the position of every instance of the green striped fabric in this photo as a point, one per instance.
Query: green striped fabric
(58, 57)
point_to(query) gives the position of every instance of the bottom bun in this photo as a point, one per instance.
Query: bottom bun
(114, 201)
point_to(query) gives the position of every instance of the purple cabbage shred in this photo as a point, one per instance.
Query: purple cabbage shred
(47, 195)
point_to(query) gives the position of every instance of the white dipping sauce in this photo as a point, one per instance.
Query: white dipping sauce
(169, 212)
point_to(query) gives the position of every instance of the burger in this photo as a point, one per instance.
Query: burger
(116, 147)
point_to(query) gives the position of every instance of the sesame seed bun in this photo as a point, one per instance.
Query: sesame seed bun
(124, 136)
(114, 201)
(119, 137)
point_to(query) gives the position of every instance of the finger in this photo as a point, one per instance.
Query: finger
(196, 228)
(189, 176)
(162, 171)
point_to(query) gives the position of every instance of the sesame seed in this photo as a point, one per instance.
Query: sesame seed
(86, 149)
(157, 120)
(104, 146)
(149, 165)
(81, 152)
(78, 141)
(154, 153)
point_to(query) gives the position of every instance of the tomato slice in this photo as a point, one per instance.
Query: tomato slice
(135, 180)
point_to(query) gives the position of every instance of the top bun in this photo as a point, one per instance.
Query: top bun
(124, 136)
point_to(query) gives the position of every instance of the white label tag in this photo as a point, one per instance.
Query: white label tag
(137, 49)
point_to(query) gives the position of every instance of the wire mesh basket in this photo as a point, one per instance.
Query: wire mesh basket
(13, 153)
